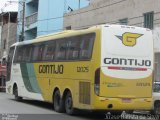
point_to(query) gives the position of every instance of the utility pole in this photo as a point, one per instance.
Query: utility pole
(23, 17)
(79, 4)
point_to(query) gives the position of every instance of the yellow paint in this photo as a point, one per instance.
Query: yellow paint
(70, 79)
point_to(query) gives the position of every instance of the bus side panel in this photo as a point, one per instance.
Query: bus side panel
(77, 76)
(71, 78)
(26, 82)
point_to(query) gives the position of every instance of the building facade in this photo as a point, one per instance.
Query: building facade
(8, 31)
(44, 16)
(143, 13)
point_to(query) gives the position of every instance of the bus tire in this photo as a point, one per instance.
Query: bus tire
(58, 103)
(69, 104)
(15, 92)
(156, 110)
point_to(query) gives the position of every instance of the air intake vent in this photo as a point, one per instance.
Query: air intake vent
(84, 92)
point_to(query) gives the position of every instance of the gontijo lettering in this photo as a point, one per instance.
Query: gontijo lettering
(124, 61)
(51, 69)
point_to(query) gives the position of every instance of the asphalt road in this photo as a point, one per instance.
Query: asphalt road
(37, 110)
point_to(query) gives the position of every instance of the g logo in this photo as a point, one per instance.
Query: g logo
(129, 39)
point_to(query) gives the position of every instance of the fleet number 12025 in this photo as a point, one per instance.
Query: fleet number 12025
(82, 69)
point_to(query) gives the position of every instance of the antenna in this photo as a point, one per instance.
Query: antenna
(69, 8)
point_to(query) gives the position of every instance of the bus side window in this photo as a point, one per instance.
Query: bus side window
(27, 53)
(84, 54)
(9, 63)
(87, 46)
(40, 52)
(19, 54)
(37, 54)
(49, 51)
(61, 50)
(10, 55)
(73, 48)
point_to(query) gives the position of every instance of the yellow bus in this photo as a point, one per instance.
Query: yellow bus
(102, 68)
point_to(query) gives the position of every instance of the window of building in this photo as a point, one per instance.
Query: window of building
(149, 20)
(68, 28)
(123, 21)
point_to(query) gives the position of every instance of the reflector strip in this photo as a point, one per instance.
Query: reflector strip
(126, 68)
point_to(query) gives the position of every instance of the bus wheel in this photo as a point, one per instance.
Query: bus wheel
(156, 110)
(15, 92)
(58, 102)
(69, 104)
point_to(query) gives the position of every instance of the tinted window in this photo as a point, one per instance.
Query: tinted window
(49, 51)
(73, 48)
(70, 48)
(27, 53)
(19, 54)
(38, 51)
(61, 50)
(9, 62)
(87, 46)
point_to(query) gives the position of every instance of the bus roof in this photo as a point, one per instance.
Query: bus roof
(70, 33)
(56, 36)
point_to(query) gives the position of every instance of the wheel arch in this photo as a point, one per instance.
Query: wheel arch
(54, 90)
(65, 93)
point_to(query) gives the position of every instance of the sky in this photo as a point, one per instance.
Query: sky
(6, 6)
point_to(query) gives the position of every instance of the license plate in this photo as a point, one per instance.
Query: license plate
(126, 100)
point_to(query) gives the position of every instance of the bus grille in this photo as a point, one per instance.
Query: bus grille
(84, 92)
